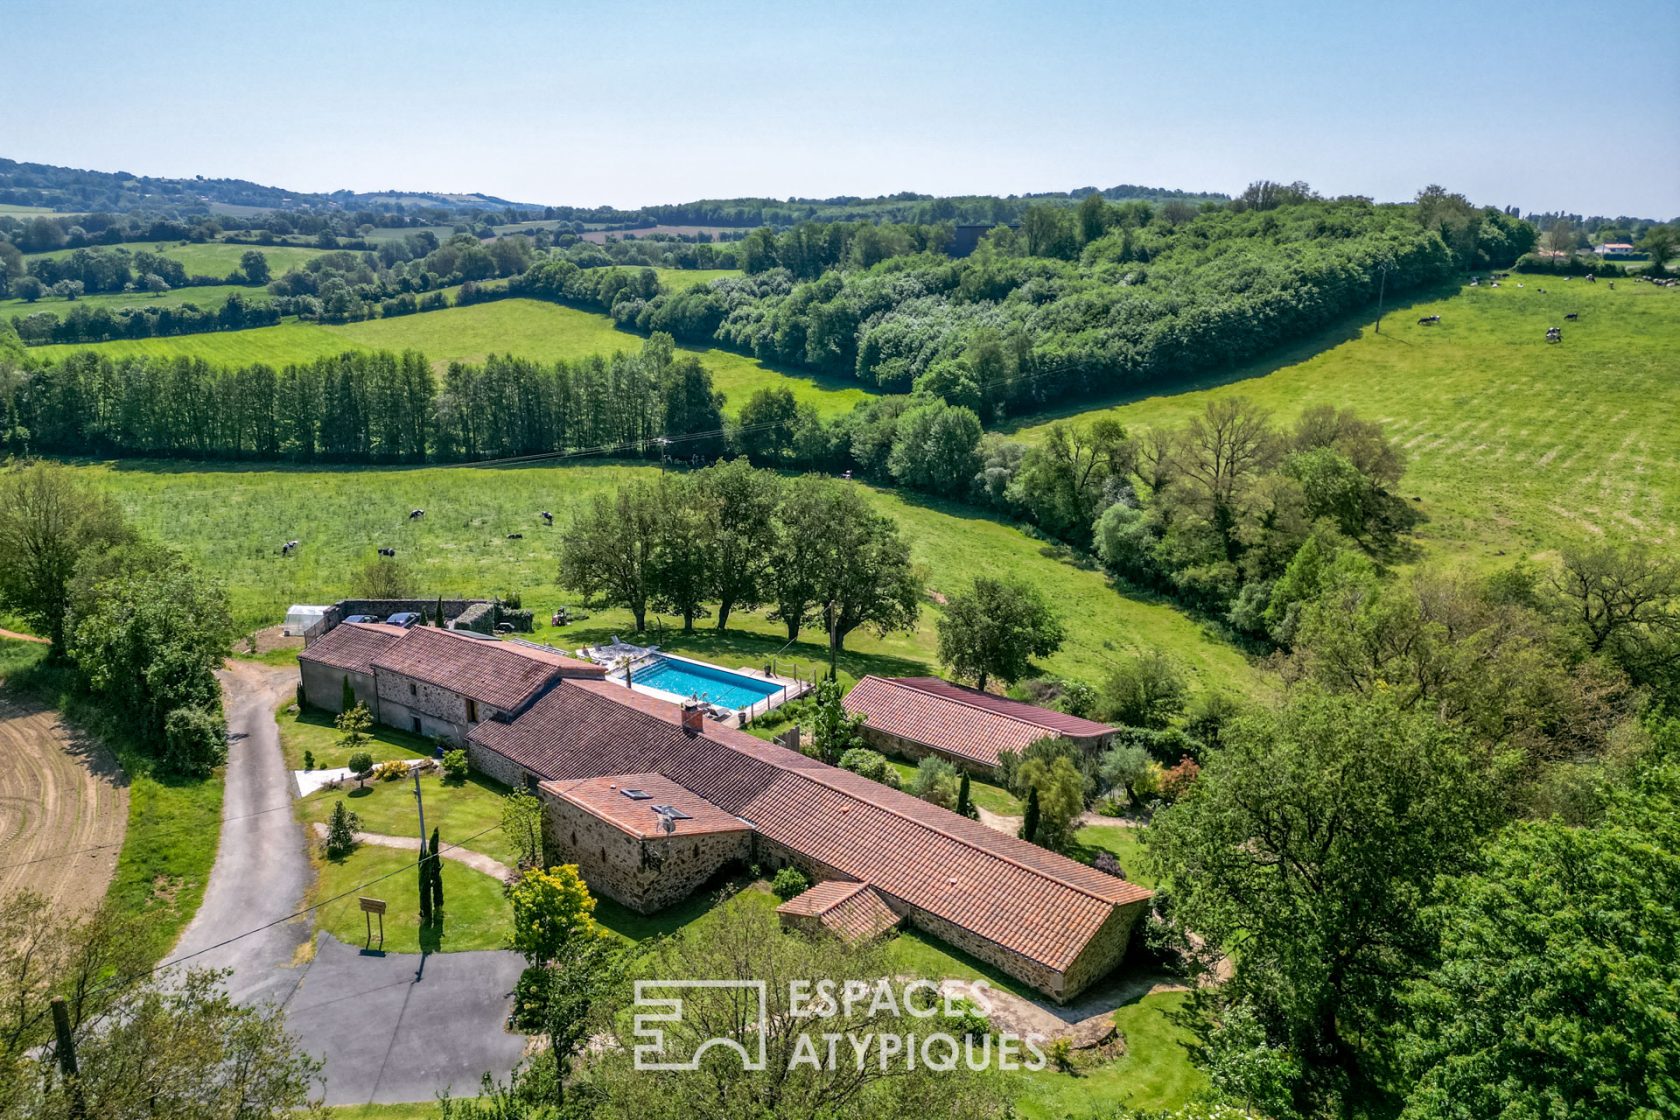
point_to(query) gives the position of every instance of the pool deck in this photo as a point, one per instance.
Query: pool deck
(790, 688)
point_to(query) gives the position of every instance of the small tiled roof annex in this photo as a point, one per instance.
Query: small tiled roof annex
(500, 674)
(605, 797)
(352, 646)
(960, 721)
(850, 911)
(1043, 906)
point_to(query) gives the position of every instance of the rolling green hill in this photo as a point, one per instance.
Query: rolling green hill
(527, 328)
(1514, 446)
(232, 520)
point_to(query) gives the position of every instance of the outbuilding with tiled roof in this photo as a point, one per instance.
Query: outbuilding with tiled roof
(919, 716)
(849, 911)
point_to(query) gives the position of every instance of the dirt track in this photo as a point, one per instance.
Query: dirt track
(63, 808)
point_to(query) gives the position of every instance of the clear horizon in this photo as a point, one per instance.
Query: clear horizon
(587, 104)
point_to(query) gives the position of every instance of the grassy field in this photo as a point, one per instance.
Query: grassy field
(1514, 446)
(209, 258)
(468, 815)
(231, 520)
(1155, 1072)
(682, 279)
(527, 328)
(204, 296)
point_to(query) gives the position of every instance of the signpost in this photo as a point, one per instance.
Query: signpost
(370, 907)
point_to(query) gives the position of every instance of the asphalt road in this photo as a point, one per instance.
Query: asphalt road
(390, 1027)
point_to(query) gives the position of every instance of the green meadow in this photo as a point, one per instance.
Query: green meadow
(1514, 446)
(527, 328)
(203, 296)
(232, 519)
(210, 258)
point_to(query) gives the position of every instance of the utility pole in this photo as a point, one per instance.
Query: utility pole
(424, 864)
(67, 1059)
(1382, 287)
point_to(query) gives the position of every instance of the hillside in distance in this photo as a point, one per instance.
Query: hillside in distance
(74, 190)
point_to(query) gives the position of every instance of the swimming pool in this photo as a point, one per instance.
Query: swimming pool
(711, 684)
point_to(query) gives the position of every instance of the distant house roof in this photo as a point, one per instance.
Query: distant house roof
(960, 721)
(352, 646)
(500, 674)
(1617, 247)
(850, 911)
(1041, 905)
(638, 804)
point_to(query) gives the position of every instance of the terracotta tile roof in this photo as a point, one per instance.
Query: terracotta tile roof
(959, 721)
(352, 646)
(500, 674)
(1044, 906)
(607, 797)
(850, 911)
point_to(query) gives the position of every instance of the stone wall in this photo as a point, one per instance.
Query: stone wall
(643, 874)
(1104, 950)
(323, 687)
(899, 747)
(499, 766)
(402, 700)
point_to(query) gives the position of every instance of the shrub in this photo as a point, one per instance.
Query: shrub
(341, 831)
(870, 764)
(1108, 864)
(937, 781)
(391, 771)
(964, 1019)
(194, 741)
(1146, 691)
(1060, 1052)
(455, 766)
(530, 999)
(1176, 780)
(789, 882)
(309, 760)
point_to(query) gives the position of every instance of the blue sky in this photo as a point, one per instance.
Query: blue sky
(1542, 105)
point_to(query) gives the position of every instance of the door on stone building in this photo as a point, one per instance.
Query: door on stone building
(416, 722)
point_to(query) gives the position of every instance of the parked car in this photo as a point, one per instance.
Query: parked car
(362, 618)
(405, 619)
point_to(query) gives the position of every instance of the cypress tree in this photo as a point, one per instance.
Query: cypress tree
(965, 807)
(347, 698)
(1029, 826)
(437, 619)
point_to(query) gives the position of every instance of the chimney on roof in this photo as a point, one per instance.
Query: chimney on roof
(693, 717)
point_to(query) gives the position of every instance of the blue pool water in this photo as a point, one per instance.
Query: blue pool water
(715, 686)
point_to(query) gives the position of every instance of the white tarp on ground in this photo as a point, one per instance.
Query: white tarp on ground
(301, 617)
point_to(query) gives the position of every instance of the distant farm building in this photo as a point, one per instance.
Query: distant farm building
(919, 716)
(1615, 251)
(653, 802)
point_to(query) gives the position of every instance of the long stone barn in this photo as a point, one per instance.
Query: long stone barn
(653, 801)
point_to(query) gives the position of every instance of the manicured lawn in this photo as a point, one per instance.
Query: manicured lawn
(313, 730)
(1514, 446)
(228, 519)
(1123, 841)
(988, 795)
(1154, 1073)
(476, 913)
(425, 1110)
(692, 912)
(468, 814)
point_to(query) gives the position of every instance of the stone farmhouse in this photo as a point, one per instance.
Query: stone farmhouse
(653, 801)
(914, 717)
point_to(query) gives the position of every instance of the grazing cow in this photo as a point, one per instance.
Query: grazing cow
(288, 548)
(548, 518)
(416, 514)
(516, 536)
(1429, 321)
(1591, 279)
(1573, 315)
(1542, 291)
(1554, 334)
(390, 552)
(1612, 285)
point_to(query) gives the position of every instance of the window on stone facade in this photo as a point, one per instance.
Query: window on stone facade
(574, 839)
(413, 689)
(603, 855)
(472, 711)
